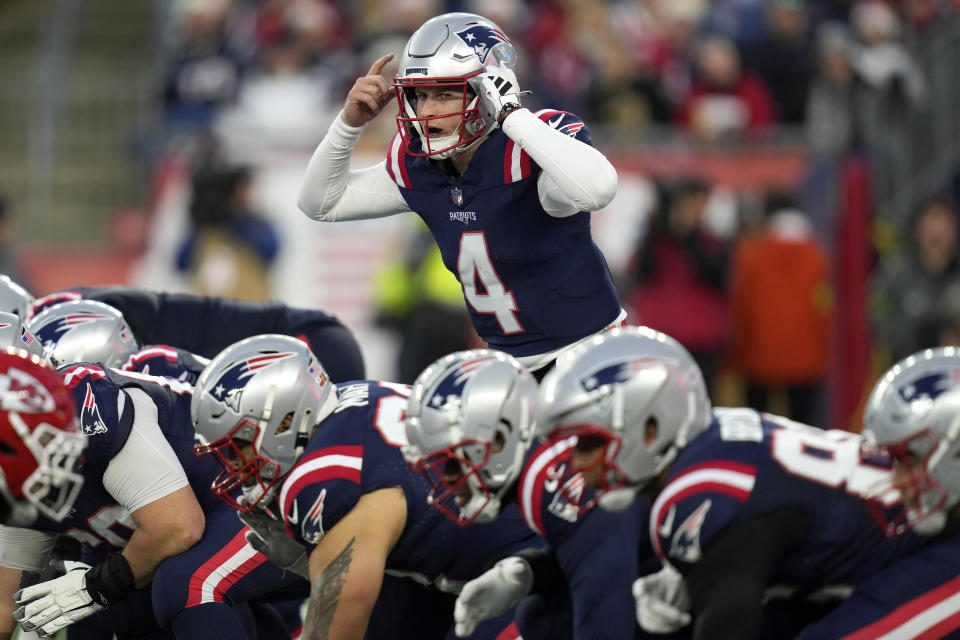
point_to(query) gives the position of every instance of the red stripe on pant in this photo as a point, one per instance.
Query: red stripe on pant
(195, 590)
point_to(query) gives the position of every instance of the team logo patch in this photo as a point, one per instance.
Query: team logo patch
(312, 527)
(229, 387)
(90, 421)
(21, 392)
(686, 541)
(564, 503)
(482, 38)
(570, 128)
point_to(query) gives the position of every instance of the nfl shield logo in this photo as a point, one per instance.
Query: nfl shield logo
(456, 194)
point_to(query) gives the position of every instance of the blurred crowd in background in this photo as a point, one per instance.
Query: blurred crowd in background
(762, 284)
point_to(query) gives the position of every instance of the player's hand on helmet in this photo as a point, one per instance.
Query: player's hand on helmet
(369, 95)
(492, 594)
(50, 606)
(498, 92)
(663, 604)
(269, 536)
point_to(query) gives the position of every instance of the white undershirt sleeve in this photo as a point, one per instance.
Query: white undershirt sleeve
(331, 191)
(25, 549)
(146, 468)
(576, 177)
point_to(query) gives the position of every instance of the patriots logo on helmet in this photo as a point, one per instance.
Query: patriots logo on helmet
(49, 334)
(91, 423)
(929, 386)
(312, 527)
(229, 387)
(618, 372)
(451, 387)
(482, 38)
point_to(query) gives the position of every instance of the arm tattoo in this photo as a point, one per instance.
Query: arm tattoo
(324, 595)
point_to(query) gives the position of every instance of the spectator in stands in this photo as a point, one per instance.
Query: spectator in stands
(783, 57)
(680, 274)
(205, 67)
(909, 287)
(230, 247)
(725, 100)
(780, 303)
(831, 128)
(882, 60)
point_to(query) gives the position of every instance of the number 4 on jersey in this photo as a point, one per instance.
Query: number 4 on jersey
(474, 262)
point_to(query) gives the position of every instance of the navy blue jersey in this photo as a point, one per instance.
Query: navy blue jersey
(747, 464)
(533, 282)
(169, 362)
(356, 451)
(97, 520)
(598, 548)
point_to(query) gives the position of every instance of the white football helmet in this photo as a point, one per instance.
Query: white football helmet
(268, 391)
(910, 412)
(83, 331)
(14, 298)
(444, 52)
(635, 390)
(472, 409)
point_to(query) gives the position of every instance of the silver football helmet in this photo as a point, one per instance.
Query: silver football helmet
(469, 425)
(444, 52)
(909, 413)
(83, 331)
(14, 334)
(635, 391)
(254, 408)
(14, 298)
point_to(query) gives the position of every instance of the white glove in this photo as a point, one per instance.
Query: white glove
(498, 92)
(268, 536)
(54, 604)
(492, 594)
(663, 604)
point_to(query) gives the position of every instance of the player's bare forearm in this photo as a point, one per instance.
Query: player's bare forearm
(9, 583)
(166, 527)
(346, 567)
(325, 595)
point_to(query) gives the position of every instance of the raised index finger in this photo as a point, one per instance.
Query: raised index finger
(379, 64)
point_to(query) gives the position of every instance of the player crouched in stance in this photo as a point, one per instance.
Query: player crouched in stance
(325, 487)
(471, 432)
(914, 412)
(744, 500)
(177, 554)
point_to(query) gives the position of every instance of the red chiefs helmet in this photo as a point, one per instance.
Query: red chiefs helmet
(40, 446)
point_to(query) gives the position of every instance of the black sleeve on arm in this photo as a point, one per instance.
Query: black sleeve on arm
(726, 586)
(141, 309)
(547, 574)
